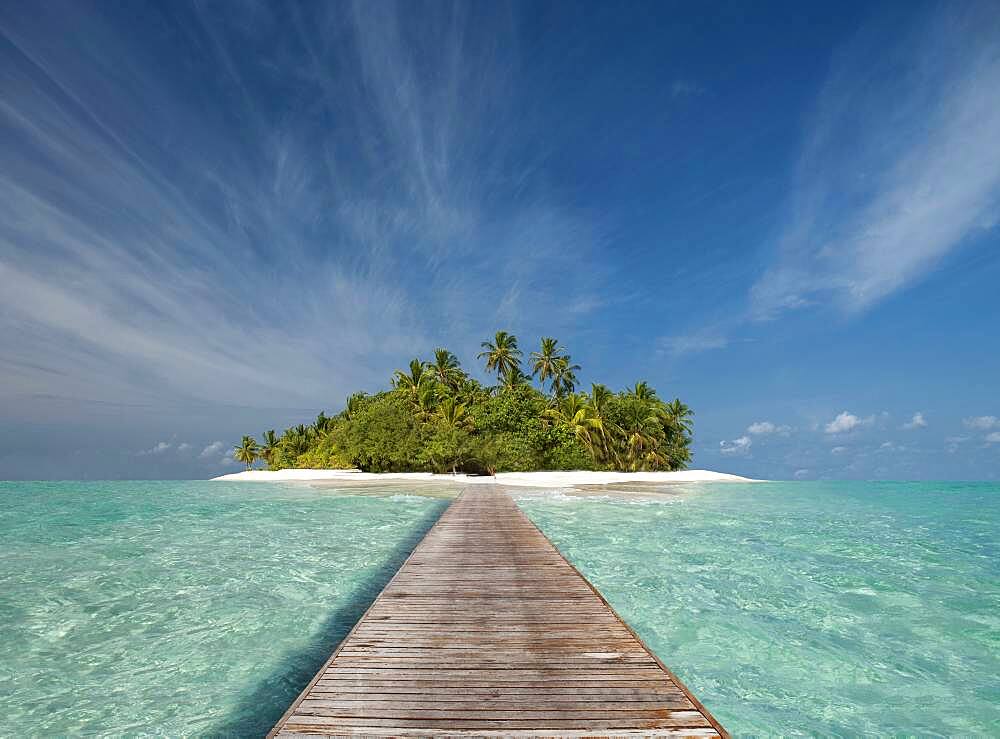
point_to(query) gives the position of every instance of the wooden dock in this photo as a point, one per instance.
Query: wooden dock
(486, 630)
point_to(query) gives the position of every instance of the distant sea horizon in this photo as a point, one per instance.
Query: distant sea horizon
(204, 607)
(443, 475)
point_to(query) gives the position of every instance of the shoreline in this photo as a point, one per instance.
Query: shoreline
(570, 478)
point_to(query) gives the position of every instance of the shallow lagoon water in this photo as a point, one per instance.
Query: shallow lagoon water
(793, 608)
(790, 608)
(182, 608)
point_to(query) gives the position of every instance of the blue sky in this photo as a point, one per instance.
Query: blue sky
(219, 218)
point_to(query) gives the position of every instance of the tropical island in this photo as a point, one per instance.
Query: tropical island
(436, 418)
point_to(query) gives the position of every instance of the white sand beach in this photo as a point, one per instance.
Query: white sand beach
(516, 479)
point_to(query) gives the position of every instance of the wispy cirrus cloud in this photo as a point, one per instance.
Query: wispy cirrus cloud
(901, 162)
(158, 246)
(695, 343)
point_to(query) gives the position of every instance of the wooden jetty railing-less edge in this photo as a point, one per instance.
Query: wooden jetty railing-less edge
(487, 630)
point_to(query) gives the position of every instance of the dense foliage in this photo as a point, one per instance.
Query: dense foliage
(436, 418)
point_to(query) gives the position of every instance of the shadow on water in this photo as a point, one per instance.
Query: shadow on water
(261, 708)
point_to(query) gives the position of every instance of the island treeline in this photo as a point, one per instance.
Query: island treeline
(435, 418)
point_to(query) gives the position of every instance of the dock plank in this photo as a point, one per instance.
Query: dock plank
(487, 630)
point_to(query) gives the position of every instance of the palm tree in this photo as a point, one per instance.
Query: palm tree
(569, 404)
(425, 401)
(600, 397)
(642, 391)
(322, 423)
(414, 381)
(544, 362)
(574, 414)
(516, 378)
(246, 452)
(353, 405)
(641, 436)
(469, 391)
(295, 440)
(564, 376)
(502, 356)
(452, 442)
(446, 369)
(681, 415)
(454, 415)
(269, 447)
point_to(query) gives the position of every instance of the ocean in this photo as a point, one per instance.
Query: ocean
(788, 608)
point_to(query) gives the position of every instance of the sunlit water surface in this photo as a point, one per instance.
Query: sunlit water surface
(203, 608)
(182, 608)
(830, 608)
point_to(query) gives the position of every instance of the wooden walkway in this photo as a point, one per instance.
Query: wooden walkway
(487, 631)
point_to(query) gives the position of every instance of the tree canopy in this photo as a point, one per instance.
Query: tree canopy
(437, 418)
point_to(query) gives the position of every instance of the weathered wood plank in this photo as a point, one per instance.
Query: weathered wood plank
(494, 723)
(478, 697)
(487, 630)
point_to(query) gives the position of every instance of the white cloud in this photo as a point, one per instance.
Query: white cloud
(737, 447)
(216, 447)
(159, 448)
(846, 422)
(800, 474)
(982, 423)
(993, 438)
(952, 443)
(838, 450)
(135, 275)
(915, 105)
(917, 422)
(183, 447)
(761, 428)
(217, 453)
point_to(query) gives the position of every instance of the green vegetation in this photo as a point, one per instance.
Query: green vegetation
(247, 452)
(436, 418)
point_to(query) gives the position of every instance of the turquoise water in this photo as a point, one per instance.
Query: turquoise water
(203, 608)
(829, 608)
(182, 608)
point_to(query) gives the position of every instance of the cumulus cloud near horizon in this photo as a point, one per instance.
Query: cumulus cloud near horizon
(763, 428)
(846, 422)
(982, 423)
(213, 449)
(158, 448)
(737, 447)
